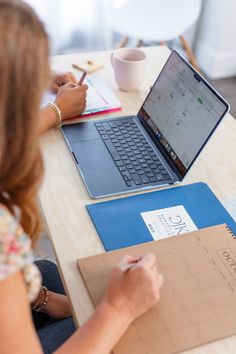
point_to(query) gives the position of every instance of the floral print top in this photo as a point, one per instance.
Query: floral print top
(16, 253)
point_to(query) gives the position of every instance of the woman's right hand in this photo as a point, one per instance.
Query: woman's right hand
(71, 100)
(134, 286)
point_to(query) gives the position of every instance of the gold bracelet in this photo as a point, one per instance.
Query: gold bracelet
(57, 112)
(42, 300)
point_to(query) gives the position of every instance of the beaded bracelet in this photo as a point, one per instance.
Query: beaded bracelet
(57, 112)
(42, 300)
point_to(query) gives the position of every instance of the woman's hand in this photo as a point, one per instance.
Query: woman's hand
(59, 79)
(58, 306)
(71, 100)
(134, 286)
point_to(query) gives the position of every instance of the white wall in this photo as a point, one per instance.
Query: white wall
(216, 40)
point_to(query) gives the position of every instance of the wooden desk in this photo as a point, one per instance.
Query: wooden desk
(63, 195)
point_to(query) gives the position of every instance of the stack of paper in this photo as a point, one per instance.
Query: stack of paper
(100, 99)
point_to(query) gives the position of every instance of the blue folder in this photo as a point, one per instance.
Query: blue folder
(119, 223)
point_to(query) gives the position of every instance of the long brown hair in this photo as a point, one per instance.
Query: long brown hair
(23, 77)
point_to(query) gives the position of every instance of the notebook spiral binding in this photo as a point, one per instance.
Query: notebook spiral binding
(230, 231)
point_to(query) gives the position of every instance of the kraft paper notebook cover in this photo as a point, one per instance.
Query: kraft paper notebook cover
(198, 299)
(119, 222)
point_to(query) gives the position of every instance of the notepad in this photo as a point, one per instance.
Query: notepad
(100, 99)
(125, 221)
(198, 299)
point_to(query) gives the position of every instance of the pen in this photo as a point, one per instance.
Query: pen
(127, 267)
(82, 78)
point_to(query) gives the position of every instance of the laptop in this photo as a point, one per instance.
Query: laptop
(159, 145)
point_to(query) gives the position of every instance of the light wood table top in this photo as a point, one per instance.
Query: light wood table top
(63, 195)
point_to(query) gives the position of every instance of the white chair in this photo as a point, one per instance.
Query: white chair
(155, 20)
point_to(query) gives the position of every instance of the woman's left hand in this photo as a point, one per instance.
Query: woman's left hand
(59, 79)
(58, 306)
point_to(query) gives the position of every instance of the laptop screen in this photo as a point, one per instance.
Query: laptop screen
(182, 110)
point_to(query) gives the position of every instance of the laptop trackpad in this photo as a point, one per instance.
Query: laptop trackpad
(97, 166)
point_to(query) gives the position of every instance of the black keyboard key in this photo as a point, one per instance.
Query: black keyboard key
(122, 154)
(155, 158)
(162, 169)
(144, 179)
(115, 141)
(112, 124)
(136, 152)
(152, 154)
(147, 169)
(152, 179)
(104, 136)
(130, 154)
(150, 174)
(111, 135)
(122, 168)
(131, 170)
(127, 150)
(135, 163)
(119, 163)
(156, 170)
(137, 180)
(149, 161)
(160, 177)
(106, 126)
(126, 176)
(112, 150)
(149, 150)
(138, 168)
(166, 176)
(141, 160)
(129, 183)
(144, 165)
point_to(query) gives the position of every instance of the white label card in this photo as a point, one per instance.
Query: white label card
(163, 223)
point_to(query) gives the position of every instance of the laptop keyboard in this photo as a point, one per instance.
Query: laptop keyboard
(136, 160)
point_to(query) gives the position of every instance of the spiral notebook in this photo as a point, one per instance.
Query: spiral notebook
(198, 299)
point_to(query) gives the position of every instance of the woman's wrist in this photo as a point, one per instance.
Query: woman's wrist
(120, 314)
(58, 306)
(57, 113)
(40, 304)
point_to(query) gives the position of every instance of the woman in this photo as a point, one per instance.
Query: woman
(24, 77)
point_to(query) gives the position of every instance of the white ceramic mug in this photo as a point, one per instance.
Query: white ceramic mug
(130, 67)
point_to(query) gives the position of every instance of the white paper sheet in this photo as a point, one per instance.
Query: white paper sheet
(99, 97)
(168, 222)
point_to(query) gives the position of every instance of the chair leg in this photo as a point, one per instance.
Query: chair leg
(122, 43)
(190, 54)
